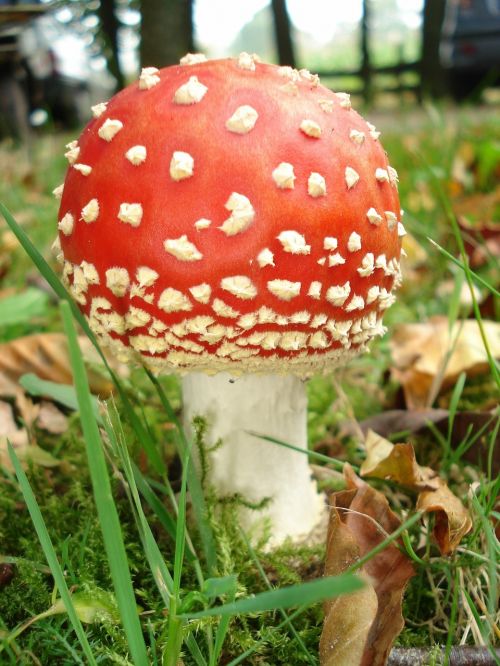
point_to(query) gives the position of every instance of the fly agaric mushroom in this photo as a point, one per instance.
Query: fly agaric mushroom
(238, 223)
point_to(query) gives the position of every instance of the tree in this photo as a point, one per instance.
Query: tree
(366, 70)
(166, 31)
(431, 73)
(109, 33)
(283, 32)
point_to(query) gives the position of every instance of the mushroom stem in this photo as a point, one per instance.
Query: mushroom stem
(272, 405)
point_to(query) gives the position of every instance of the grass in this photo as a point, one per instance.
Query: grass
(146, 577)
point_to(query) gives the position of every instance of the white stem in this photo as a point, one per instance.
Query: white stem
(273, 405)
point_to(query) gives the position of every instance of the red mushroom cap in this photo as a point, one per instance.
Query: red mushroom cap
(231, 215)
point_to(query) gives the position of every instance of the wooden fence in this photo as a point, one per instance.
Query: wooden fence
(373, 81)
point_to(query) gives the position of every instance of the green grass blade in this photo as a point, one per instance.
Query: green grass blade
(383, 544)
(453, 618)
(157, 565)
(242, 657)
(311, 454)
(155, 504)
(455, 399)
(62, 393)
(196, 653)
(193, 481)
(175, 624)
(469, 275)
(471, 437)
(50, 554)
(493, 552)
(476, 278)
(286, 597)
(46, 271)
(159, 570)
(106, 508)
(220, 637)
(180, 537)
(481, 625)
(283, 613)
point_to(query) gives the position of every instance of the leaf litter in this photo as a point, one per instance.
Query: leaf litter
(397, 463)
(44, 355)
(430, 356)
(366, 623)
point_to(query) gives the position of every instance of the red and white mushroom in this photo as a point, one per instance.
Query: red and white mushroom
(238, 223)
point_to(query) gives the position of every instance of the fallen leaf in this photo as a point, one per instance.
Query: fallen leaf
(46, 355)
(51, 419)
(399, 420)
(476, 216)
(9, 429)
(27, 410)
(452, 520)
(361, 519)
(395, 421)
(397, 462)
(348, 618)
(8, 244)
(429, 356)
(18, 437)
(414, 260)
(447, 288)
(346, 627)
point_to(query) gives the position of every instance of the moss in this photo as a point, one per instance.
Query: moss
(28, 593)
(286, 565)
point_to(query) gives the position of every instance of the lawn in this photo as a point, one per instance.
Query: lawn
(107, 477)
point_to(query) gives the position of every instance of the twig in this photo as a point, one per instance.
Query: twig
(464, 655)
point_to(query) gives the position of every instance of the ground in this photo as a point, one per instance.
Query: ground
(449, 166)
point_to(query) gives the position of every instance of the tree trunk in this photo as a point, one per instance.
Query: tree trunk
(166, 31)
(366, 69)
(109, 31)
(283, 33)
(432, 79)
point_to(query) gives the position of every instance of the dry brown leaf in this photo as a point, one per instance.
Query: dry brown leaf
(428, 356)
(397, 462)
(414, 261)
(476, 214)
(9, 429)
(8, 244)
(26, 409)
(452, 520)
(51, 419)
(45, 355)
(346, 627)
(360, 520)
(348, 618)
(396, 420)
(18, 437)
(447, 288)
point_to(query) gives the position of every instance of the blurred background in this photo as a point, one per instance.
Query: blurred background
(58, 58)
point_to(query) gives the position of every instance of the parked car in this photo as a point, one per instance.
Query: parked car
(470, 45)
(45, 64)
